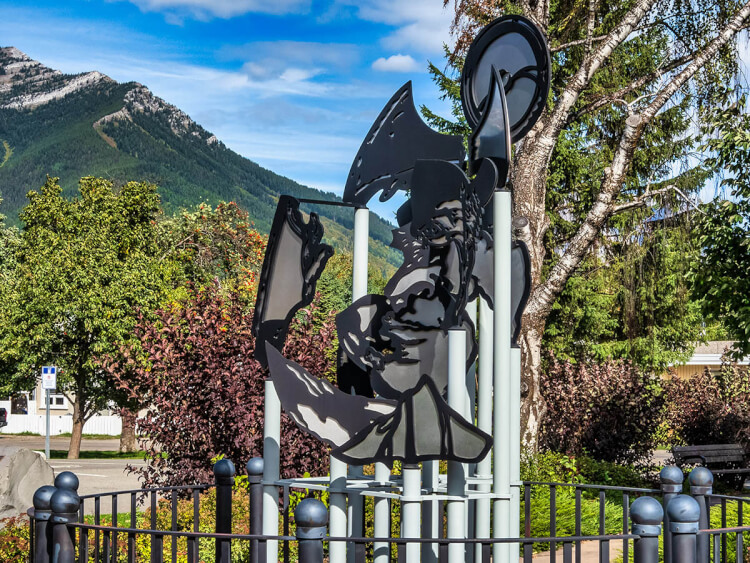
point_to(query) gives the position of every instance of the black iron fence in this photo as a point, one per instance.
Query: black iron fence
(658, 524)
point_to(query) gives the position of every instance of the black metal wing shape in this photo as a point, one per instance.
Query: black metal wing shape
(423, 427)
(396, 140)
(294, 260)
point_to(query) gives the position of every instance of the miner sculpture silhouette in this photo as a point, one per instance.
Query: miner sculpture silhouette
(393, 364)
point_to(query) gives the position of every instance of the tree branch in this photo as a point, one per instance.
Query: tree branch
(632, 87)
(577, 42)
(642, 200)
(602, 208)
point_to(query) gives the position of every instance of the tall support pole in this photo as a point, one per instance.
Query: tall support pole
(430, 511)
(410, 501)
(382, 517)
(339, 524)
(515, 444)
(46, 417)
(471, 413)
(456, 470)
(271, 449)
(484, 420)
(502, 386)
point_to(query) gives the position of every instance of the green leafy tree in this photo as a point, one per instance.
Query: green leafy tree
(83, 268)
(721, 274)
(626, 79)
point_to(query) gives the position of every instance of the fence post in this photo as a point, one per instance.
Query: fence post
(42, 514)
(684, 512)
(69, 481)
(255, 479)
(64, 504)
(701, 484)
(311, 517)
(646, 514)
(671, 478)
(224, 473)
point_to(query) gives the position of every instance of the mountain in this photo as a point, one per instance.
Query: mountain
(87, 124)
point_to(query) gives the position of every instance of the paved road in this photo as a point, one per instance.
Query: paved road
(95, 475)
(56, 443)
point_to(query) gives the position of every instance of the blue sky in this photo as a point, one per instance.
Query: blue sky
(291, 84)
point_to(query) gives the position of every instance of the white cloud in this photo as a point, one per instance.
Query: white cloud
(396, 63)
(206, 9)
(422, 25)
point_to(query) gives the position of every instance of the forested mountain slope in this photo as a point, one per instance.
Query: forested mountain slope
(71, 126)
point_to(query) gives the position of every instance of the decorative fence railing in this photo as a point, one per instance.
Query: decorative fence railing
(67, 528)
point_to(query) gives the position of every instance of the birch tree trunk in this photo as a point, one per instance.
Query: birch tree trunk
(639, 101)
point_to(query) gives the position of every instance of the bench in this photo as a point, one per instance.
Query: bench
(728, 460)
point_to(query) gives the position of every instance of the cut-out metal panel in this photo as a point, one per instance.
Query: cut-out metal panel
(423, 427)
(396, 140)
(517, 49)
(294, 260)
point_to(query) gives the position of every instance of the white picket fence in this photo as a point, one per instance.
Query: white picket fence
(36, 424)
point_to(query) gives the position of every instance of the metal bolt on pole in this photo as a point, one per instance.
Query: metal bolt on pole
(255, 479)
(646, 514)
(42, 515)
(671, 478)
(64, 504)
(311, 517)
(683, 512)
(701, 484)
(224, 473)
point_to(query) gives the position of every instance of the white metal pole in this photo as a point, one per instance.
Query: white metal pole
(271, 450)
(470, 412)
(515, 444)
(502, 401)
(410, 501)
(430, 511)
(456, 470)
(340, 525)
(484, 420)
(382, 517)
(46, 416)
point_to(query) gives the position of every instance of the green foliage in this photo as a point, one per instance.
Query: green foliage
(561, 468)
(630, 298)
(14, 540)
(633, 303)
(83, 266)
(721, 279)
(57, 138)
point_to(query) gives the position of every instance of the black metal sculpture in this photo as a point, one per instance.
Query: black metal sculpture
(395, 345)
(294, 260)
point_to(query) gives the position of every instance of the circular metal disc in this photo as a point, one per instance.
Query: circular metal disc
(518, 50)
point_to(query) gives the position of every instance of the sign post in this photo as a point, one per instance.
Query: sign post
(49, 382)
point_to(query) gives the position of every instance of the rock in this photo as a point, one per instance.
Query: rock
(22, 472)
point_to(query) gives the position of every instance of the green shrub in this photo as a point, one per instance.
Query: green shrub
(14, 539)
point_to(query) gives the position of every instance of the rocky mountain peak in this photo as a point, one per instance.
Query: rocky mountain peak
(26, 83)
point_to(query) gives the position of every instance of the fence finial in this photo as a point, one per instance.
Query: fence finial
(701, 484)
(311, 517)
(64, 504)
(683, 512)
(671, 478)
(42, 515)
(646, 514)
(67, 480)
